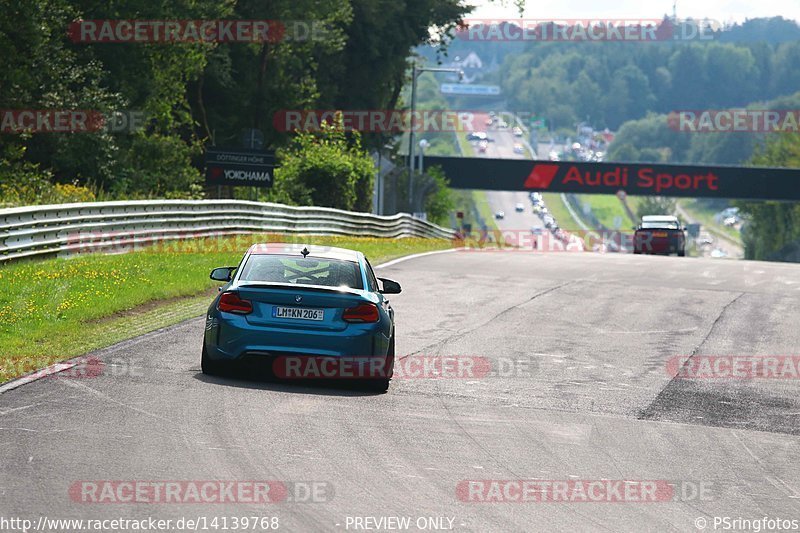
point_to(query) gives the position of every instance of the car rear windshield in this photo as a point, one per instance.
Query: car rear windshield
(307, 271)
(660, 225)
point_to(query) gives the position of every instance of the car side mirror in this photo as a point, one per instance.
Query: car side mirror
(389, 286)
(222, 273)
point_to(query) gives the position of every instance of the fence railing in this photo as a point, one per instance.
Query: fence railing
(69, 228)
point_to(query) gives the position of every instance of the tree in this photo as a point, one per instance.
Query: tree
(648, 134)
(439, 203)
(732, 75)
(656, 205)
(772, 230)
(629, 96)
(325, 169)
(687, 67)
(786, 74)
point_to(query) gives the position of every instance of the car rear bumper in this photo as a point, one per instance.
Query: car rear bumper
(232, 339)
(647, 244)
(656, 250)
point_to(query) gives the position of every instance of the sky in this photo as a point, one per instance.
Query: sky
(719, 10)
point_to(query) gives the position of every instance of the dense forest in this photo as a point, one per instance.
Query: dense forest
(610, 83)
(196, 94)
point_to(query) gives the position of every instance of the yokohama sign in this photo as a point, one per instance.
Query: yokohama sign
(239, 167)
(609, 178)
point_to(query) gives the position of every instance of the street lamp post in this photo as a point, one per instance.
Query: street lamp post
(415, 72)
(422, 145)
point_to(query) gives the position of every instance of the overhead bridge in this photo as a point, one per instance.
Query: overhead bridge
(755, 183)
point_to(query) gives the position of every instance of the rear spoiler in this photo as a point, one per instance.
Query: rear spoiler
(297, 286)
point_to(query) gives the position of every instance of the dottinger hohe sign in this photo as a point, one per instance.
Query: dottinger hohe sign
(238, 166)
(757, 183)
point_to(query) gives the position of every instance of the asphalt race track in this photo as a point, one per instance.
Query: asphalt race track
(588, 338)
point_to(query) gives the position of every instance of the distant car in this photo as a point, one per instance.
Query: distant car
(518, 148)
(553, 156)
(731, 221)
(536, 197)
(502, 124)
(519, 208)
(537, 230)
(477, 136)
(517, 131)
(727, 213)
(500, 215)
(489, 121)
(659, 234)
(296, 301)
(483, 146)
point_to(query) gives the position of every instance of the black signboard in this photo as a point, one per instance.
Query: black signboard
(756, 183)
(239, 166)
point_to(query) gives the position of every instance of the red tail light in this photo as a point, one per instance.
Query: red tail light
(361, 313)
(231, 303)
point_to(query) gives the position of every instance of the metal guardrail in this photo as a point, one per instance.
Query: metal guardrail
(68, 228)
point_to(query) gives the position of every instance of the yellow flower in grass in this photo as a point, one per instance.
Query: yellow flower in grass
(66, 305)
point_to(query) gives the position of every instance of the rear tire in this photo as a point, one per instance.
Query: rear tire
(682, 253)
(208, 366)
(381, 385)
(377, 385)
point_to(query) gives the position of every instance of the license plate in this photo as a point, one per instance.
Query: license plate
(298, 313)
(659, 234)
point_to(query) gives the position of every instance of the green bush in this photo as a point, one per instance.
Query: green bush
(772, 229)
(325, 169)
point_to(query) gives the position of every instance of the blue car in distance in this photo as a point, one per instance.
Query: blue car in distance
(302, 312)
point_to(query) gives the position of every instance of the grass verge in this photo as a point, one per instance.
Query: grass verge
(705, 217)
(483, 208)
(560, 212)
(466, 147)
(56, 309)
(608, 210)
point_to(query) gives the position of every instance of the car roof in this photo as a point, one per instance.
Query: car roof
(324, 252)
(659, 218)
